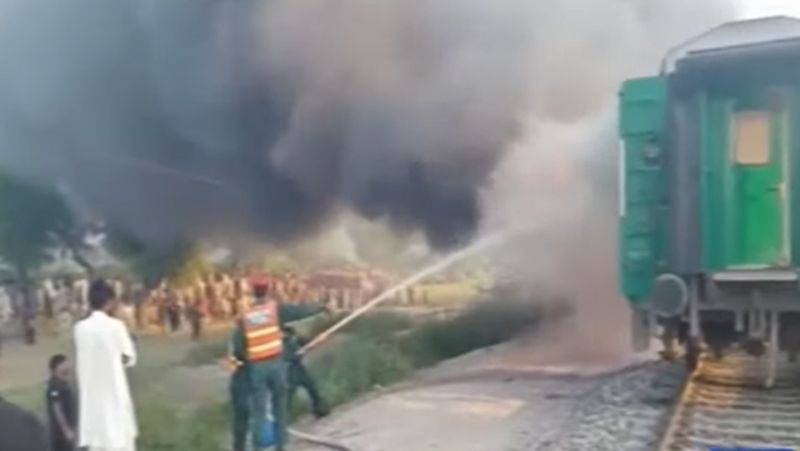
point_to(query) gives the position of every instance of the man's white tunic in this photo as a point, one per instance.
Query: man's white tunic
(106, 414)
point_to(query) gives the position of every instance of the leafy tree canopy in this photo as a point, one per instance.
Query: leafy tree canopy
(31, 217)
(179, 263)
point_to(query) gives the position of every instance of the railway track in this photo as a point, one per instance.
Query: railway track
(724, 404)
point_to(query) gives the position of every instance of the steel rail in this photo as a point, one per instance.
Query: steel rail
(724, 404)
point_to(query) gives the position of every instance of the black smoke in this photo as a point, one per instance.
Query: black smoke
(185, 118)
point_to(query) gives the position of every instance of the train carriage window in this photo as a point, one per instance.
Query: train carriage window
(751, 144)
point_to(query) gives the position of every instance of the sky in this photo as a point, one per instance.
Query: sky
(759, 8)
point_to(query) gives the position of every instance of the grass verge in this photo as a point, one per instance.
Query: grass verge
(163, 428)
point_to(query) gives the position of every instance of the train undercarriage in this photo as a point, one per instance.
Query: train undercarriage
(717, 314)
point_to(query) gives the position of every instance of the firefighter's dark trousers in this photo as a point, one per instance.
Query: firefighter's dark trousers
(299, 377)
(268, 378)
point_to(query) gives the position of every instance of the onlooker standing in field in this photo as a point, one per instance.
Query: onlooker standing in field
(163, 313)
(104, 348)
(47, 293)
(6, 306)
(30, 311)
(174, 311)
(126, 313)
(61, 413)
(197, 313)
(138, 297)
(80, 289)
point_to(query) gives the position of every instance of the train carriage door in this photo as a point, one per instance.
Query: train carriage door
(642, 122)
(758, 206)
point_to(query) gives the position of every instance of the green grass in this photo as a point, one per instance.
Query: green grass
(358, 365)
(164, 428)
(31, 399)
(485, 324)
(206, 353)
(379, 324)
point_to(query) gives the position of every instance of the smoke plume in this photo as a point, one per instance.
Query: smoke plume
(186, 118)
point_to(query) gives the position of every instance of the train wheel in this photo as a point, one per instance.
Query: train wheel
(692, 356)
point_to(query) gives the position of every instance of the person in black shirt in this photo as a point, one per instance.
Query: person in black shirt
(298, 375)
(61, 406)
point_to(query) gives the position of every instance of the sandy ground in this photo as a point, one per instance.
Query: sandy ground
(535, 393)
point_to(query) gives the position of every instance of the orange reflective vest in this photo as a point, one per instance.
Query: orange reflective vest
(262, 332)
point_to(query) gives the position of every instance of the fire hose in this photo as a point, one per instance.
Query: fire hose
(322, 441)
(427, 272)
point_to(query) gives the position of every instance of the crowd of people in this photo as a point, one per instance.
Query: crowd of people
(56, 304)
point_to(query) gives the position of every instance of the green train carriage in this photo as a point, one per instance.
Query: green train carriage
(710, 192)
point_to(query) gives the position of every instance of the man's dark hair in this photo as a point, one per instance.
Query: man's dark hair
(100, 294)
(55, 361)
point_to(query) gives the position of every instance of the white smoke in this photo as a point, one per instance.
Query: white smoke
(561, 173)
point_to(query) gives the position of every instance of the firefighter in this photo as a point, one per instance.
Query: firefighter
(258, 343)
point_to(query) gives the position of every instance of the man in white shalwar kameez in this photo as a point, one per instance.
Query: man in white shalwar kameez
(104, 349)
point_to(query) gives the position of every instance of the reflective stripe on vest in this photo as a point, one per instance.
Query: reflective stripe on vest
(262, 332)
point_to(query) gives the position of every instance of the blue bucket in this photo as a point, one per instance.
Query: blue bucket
(267, 436)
